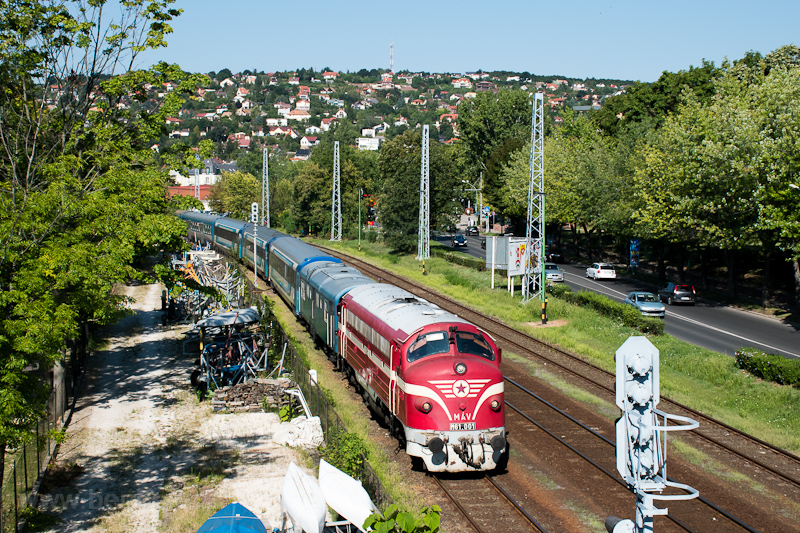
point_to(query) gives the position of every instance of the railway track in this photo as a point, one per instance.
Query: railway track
(486, 505)
(782, 465)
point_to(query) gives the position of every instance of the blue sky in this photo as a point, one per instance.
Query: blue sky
(622, 39)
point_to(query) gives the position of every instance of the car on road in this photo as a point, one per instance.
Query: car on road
(450, 228)
(483, 243)
(601, 271)
(459, 240)
(554, 256)
(647, 303)
(675, 293)
(471, 230)
(553, 273)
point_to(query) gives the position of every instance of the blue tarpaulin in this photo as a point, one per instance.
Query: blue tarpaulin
(233, 518)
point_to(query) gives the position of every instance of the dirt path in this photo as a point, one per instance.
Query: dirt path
(154, 458)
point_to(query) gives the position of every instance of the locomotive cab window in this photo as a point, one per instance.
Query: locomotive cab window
(428, 344)
(473, 344)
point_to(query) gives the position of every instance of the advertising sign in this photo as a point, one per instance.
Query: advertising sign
(635, 244)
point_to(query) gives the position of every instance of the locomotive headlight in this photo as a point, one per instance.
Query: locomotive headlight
(423, 406)
(495, 405)
(461, 369)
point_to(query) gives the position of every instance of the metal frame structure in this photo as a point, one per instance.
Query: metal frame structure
(265, 190)
(424, 240)
(534, 279)
(336, 203)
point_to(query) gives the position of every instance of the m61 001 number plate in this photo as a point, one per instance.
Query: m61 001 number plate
(463, 426)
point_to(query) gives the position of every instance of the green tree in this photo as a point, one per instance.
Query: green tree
(234, 193)
(82, 200)
(311, 202)
(400, 166)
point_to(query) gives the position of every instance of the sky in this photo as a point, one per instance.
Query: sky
(622, 39)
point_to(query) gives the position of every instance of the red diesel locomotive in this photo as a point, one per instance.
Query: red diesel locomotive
(433, 372)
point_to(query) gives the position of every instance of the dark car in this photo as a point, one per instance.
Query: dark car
(678, 293)
(554, 256)
(471, 230)
(459, 240)
(483, 243)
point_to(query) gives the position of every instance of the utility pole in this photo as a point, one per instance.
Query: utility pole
(533, 282)
(336, 204)
(265, 189)
(423, 243)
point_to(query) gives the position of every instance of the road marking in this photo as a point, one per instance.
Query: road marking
(691, 320)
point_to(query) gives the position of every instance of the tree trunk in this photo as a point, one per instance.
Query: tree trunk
(681, 262)
(796, 264)
(661, 267)
(766, 279)
(574, 229)
(704, 267)
(729, 263)
(588, 236)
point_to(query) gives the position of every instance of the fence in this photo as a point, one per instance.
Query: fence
(24, 466)
(321, 407)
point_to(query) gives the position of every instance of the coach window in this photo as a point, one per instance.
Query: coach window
(429, 344)
(474, 344)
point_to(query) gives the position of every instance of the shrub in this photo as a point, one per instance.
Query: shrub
(395, 520)
(458, 259)
(627, 314)
(769, 366)
(346, 452)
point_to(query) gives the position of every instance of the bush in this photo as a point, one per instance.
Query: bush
(459, 259)
(769, 366)
(629, 315)
(345, 451)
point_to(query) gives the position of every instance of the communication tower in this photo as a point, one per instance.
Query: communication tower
(424, 241)
(336, 204)
(533, 282)
(391, 57)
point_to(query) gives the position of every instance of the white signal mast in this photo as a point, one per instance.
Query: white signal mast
(424, 241)
(336, 204)
(533, 282)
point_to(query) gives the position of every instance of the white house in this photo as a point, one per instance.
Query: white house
(307, 142)
(313, 129)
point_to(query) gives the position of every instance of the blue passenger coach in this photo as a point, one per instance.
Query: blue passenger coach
(322, 286)
(287, 257)
(228, 234)
(200, 225)
(265, 237)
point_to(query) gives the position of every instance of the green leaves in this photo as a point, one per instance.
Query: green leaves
(396, 521)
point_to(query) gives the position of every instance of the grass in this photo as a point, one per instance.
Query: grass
(705, 380)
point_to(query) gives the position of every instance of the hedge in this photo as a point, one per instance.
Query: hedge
(629, 315)
(769, 366)
(459, 259)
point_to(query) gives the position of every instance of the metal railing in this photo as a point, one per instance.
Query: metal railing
(332, 424)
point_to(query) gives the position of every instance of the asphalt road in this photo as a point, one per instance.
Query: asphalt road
(708, 324)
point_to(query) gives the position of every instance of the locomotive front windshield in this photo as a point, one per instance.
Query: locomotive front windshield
(428, 344)
(438, 342)
(473, 344)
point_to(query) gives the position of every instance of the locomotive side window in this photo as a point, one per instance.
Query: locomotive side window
(473, 344)
(429, 344)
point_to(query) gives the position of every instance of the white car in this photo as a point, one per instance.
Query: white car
(601, 271)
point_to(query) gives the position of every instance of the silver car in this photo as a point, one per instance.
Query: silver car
(647, 303)
(553, 273)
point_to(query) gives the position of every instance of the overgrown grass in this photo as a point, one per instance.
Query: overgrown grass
(700, 378)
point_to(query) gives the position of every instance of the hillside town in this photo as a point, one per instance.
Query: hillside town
(288, 112)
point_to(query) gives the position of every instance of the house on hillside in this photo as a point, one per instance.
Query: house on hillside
(298, 114)
(312, 130)
(307, 142)
(327, 123)
(330, 76)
